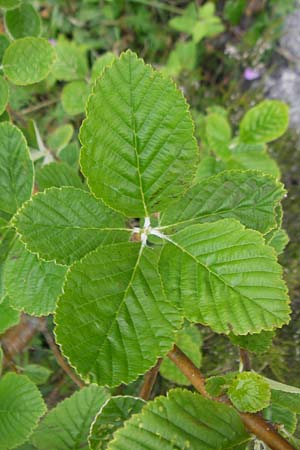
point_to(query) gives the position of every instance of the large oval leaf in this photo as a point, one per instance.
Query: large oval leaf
(65, 224)
(183, 420)
(226, 277)
(138, 146)
(23, 21)
(113, 320)
(66, 426)
(21, 407)
(249, 197)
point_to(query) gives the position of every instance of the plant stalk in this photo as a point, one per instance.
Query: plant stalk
(149, 381)
(254, 423)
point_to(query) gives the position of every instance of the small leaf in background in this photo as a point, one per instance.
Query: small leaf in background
(21, 407)
(233, 10)
(219, 384)
(67, 425)
(71, 61)
(33, 285)
(16, 169)
(4, 94)
(8, 316)
(265, 122)
(36, 373)
(218, 134)
(99, 65)
(250, 392)
(57, 174)
(189, 340)
(183, 57)
(110, 418)
(28, 60)
(60, 137)
(4, 43)
(9, 4)
(120, 319)
(70, 154)
(74, 97)
(23, 21)
(257, 343)
(182, 420)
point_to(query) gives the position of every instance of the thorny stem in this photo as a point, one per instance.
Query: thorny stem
(149, 381)
(60, 359)
(254, 422)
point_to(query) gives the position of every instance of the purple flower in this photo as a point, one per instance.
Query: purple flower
(52, 42)
(251, 74)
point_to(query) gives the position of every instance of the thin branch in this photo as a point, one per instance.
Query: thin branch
(253, 422)
(149, 381)
(60, 359)
(245, 360)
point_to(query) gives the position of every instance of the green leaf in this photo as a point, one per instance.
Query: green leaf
(257, 343)
(74, 97)
(67, 425)
(64, 224)
(99, 65)
(182, 420)
(145, 138)
(7, 238)
(36, 373)
(278, 239)
(28, 60)
(4, 43)
(70, 154)
(57, 174)
(60, 137)
(224, 275)
(255, 160)
(183, 57)
(218, 134)
(1, 360)
(71, 62)
(9, 4)
(249, 197)
(250, 392)
(189, 341)
(33, 285)
(265, 122)
(4, 94)
(281, 417)
(21, 407)
(111, 416)
(115, 325)
(16, 169)
(8, 316)
(219, 384)
(187, 21)
(289, 400)
(23, 21)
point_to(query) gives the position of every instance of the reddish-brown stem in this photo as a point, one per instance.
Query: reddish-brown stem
(253, 422)
(60, 359)
(149, 381)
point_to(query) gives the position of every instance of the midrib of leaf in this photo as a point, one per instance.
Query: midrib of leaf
(217, 276)
(135, 142)
(121, 303)
(80, 436)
